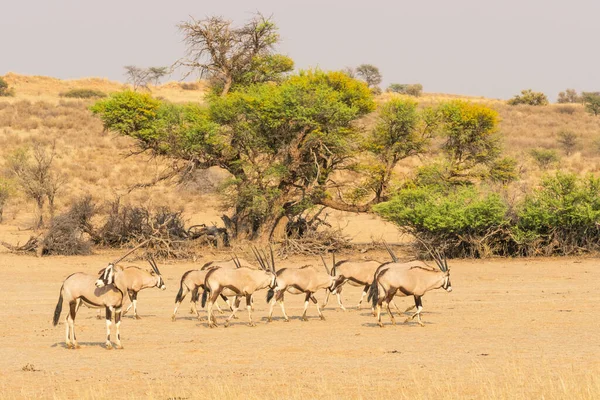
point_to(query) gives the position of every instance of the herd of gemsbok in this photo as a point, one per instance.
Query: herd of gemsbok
(237, 279)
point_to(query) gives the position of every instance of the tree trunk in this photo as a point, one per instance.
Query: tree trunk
(40, 206)
(227, 86)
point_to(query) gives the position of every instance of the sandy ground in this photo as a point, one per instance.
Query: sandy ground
(533, 321)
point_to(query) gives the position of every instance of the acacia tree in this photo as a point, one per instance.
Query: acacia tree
(156, 73)
(280, 143)
(470, 139)
(402, 131)
(228, 56)
(370, 74)
(138, 77)
(591, 100)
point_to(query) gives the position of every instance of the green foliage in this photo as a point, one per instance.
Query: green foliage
(5, 90)
(591, 100)
(279, 141)
(401, 131)
(83, 94)
(561, 217)
(545, 158)
(411, 90)
(130, 113)
(461, 217)
(568, 141)
(529, 97)
(569, 96)
(470, 139)
(504, 170)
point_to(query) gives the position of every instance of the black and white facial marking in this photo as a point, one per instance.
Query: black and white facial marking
(160, 283)
(107, 277)
(273, 281)
(447, 285)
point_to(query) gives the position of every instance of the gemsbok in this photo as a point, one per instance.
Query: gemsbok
(355, 273)
(305, 280)
(193, 281)
(414, 278)
(136, 279)
(108, 291)
(238, 282)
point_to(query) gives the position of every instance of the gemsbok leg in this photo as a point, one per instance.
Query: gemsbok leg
(419, 305)
(236, 307)
(364, 293)
(306, 301)
(249, 307)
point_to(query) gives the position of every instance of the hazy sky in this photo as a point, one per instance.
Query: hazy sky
(474, 47)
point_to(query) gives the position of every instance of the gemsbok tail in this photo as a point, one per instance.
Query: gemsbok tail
(204, 297)
(58, 308)
(374, 293)
(179, 296)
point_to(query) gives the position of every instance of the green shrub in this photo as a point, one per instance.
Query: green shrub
(529, 97)
(568, 141)
(83, 94)
(544, 157)
(568, 96)
(562, 217)
(591, 100)
(412, 90)
(189, 85)
(462, 220)
(5, 90)
(504, 170)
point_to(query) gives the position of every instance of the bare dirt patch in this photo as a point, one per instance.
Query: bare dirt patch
(510, 329)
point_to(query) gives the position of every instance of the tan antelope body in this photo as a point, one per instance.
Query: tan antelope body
(82, 287)
(109, 290)
(193, 280)
(305, 280)
(355, 273)
(135, 279)
(407, 279)
(242, 281)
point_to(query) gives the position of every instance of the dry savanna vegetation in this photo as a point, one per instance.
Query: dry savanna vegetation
(511, 329)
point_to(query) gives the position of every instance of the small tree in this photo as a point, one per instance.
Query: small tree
(544, 157)
(412, 90)
(5, 90)
(529, 97)
(226, 55)
(156, 73)
(569, 96)
(138, 77)
(402, 131)
(6, 191)
(591, 100)
(568, 141)
(370, 74)
(504, 170)
(470, 138)
(35, 176)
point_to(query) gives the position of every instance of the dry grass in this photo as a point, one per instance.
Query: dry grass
(476, 382)
(511, 329)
